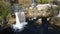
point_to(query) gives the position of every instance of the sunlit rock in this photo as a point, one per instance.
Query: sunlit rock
(47, 9)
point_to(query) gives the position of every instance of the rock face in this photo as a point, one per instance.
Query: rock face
(47, 9)
(42, 10)
(55, 21)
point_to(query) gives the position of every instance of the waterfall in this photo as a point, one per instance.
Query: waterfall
(34, 9)
(17, 18)
(33, 3)
(20, 21)
(20, 18)
(58, 14)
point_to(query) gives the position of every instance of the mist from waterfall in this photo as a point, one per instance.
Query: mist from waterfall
(20, 22)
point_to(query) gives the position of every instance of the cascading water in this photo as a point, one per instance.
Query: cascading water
(20, 21)
(34, 9)
(20, 18)
(58, 14)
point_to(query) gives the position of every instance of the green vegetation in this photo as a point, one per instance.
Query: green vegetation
(42, 1)
(4, 11)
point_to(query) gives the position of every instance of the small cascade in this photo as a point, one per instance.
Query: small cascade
(20, 21)
(34, 9)
(33, 4)
(58, 14)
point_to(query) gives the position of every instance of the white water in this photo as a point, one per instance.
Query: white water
(20, 21)
(58, 14)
